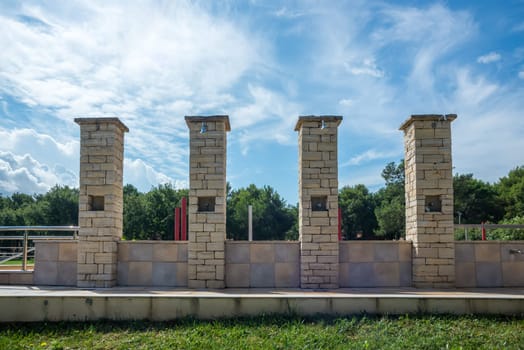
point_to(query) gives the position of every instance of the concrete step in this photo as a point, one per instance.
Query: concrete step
(29, 303)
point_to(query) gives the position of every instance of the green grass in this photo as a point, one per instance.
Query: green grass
(274, 332)
(18, 262)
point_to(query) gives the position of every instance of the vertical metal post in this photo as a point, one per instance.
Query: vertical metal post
(250, 222)
(24, 261)
(184, 219)
(177, 224)
(339, 224)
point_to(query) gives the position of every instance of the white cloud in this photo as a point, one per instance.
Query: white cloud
(346, 102)
(367, 156)
(471, 91)
(521, 74)
(428, 35)
(147, 63)
(284, 12)
(489, 58)
(33, 162)
(367, 67)
(143, 176)
(25, 174)
(268, 117)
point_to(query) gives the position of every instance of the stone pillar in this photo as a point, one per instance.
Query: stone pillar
(429, 198)
(207, 200)
(318, 200)
(100, 201)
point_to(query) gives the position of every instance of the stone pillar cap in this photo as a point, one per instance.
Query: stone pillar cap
(427, 117)
(85, 121)
(317, 118)
(208, 118)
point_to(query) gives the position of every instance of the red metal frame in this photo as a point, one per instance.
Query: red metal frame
(177, 224)
(339, 224)
(184, 219)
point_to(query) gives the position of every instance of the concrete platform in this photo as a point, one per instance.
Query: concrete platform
(30, 303)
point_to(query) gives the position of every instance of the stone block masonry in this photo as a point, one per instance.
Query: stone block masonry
(100, 214)
(207, 200)
(318, 201)
(429, 199)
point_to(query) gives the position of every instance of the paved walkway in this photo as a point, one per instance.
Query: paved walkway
(510, 293)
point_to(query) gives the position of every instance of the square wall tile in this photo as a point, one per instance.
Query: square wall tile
(140, 252)
(386, 274)
(361, 275)
(465, 275)
(182, 252)
(487, 252)
(237, 275)
(343, 252)
(464, 252)
(405, 274)
(164, 274)
(405, 250)
(386, 252)
(262, 253)
(122, 273)
(165, 252)
(237, 253)
(67, 252)
(46, 251)
(361, 252)
(66, 273)
(513, 274)
(181, 274)
(488, 274)
(287, 275)
(505, 254)
(123, 251)
(140, 273)
(46, 273)
(262, 275)
(287, 252)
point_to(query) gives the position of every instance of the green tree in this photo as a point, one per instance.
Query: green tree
(151, 215)
(161, 202)
(19, 200)
(358, 211)
(390, 201)
(511, 191)
(8, 217)
(135, 214)
(475, 200)
(272, 218)
(59, 206)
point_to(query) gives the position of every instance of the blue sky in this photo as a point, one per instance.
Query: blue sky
(263, 63)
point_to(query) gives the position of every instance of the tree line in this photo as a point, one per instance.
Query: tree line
(365, 214)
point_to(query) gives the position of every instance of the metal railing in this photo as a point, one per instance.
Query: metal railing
(483, 227)
(10, 253)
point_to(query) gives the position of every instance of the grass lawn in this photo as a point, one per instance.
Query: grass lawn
(274, 332)
(18, 262)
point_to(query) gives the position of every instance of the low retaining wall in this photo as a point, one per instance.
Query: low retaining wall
(489, 264)
(276, 264)
(262, 264)
(55, 263)
(374, 264)
(20, 278)
(152, 263)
